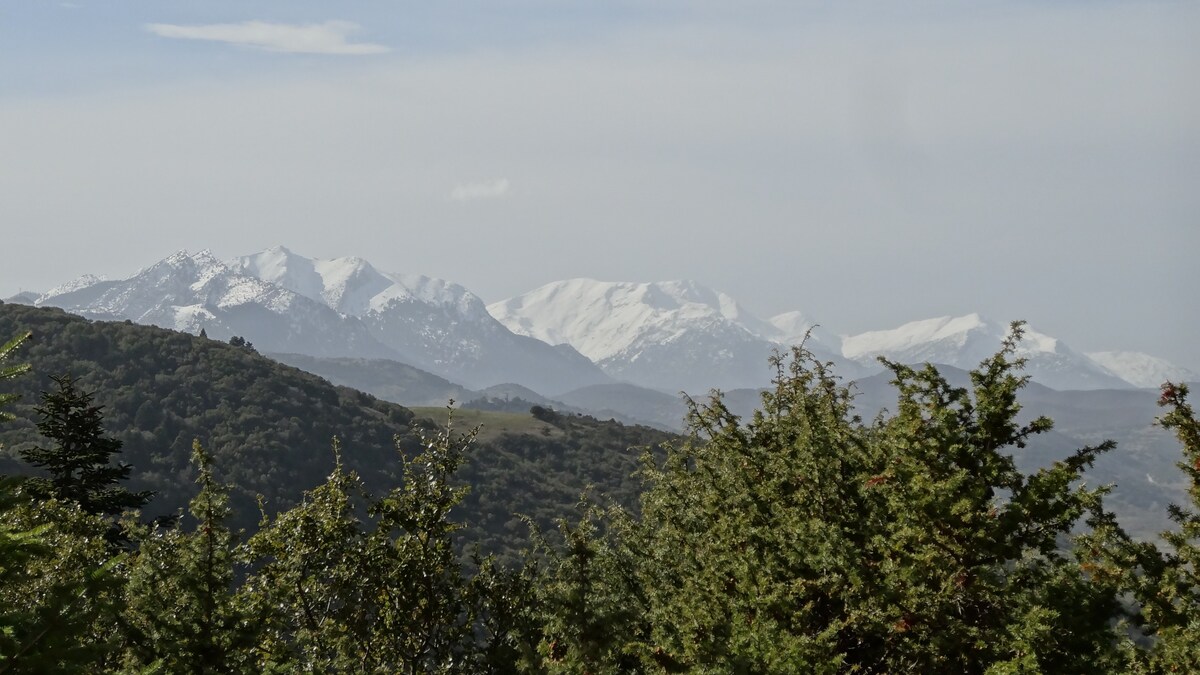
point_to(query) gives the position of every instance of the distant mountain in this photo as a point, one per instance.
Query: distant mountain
(286, 303)
(190, 292)
(671, 336)
(966, 340)
(631, 404)
(1143, 370)
(430, 323)
(23, 298)
(389, 380)
(792, 328)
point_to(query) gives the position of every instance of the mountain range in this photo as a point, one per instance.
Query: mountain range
(664, 336)
(341, 307)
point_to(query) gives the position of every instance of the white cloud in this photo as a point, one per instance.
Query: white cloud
(491, 189)
(314, 38)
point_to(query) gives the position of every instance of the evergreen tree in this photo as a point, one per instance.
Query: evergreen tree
(1178, 646)
(8, 372)
(1164, 584)
(59, 586)
(388, 595)
(313, 581)
(806, 541)
(183, 614)
(79, 463)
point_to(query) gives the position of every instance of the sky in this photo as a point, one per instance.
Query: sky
(867, 163)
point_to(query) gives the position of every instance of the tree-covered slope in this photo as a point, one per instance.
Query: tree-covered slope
(389, 380)
(269, 427)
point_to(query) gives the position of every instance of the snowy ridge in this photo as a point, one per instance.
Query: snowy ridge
(667, 335)
(941, 340)
(604, 319)
(964, 341)
(85, 281)
(791, 328)
(1143, 370)
(353, 286)
(286, 303)
(190, 292)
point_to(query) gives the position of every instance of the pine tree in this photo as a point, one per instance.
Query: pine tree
(79, 463)
(57, 584)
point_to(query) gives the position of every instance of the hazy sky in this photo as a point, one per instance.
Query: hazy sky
(863, 162)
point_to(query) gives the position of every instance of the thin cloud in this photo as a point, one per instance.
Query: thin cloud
(314, 38)
(492, 189)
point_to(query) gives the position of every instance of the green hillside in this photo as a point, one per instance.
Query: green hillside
(269, 427)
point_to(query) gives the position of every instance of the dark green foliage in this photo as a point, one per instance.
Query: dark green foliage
(802, 540)
(806, 541)
(1164, 584)
(1176, 605)
(241, 343)
(59, 587)
(505, 404)
(384, 593)
(541, 475)
(8, 372)
(79, 463)
(268, 426)
(182, 613)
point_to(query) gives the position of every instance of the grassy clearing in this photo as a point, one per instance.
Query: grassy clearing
(491, 424)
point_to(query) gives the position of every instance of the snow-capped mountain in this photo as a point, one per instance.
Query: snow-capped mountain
(792, 328)
(284, 302)
(190, 292)
(964, 341)
(666, 335)
(1143, 370)
(432, 324)
(669, 336)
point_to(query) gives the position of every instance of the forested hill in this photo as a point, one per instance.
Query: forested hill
(269, 427)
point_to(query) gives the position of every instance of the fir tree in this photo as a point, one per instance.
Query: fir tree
(79, 463)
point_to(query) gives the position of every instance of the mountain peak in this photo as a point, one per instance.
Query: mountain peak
(82, 282)
(918, 336)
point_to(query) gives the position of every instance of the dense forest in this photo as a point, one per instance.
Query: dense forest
(799, 539)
